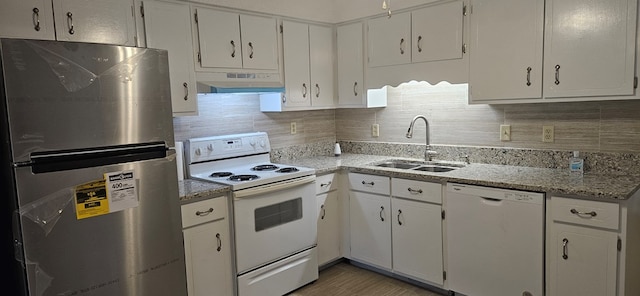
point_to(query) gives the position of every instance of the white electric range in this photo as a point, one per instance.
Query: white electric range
(274, 210)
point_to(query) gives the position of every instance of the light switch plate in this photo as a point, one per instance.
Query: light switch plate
(505, 132)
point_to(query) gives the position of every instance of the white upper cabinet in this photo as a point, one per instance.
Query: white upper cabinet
(321, 65)
(97, 21)
(437, 32)
(505, 53)
(432, 33)
(168, 26)
(350, 65)
(589, 50)
(296, 64)
(589, 47)
(232, 40)
(32, 19)
(390, 40)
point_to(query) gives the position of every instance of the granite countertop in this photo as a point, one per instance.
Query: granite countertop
(191, 190)
(552, 181)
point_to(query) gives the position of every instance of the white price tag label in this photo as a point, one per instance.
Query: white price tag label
(121, 190)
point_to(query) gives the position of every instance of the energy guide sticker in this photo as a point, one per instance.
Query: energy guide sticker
(91, 199)
(121, 190)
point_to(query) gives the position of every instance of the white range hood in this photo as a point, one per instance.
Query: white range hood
(239, 80)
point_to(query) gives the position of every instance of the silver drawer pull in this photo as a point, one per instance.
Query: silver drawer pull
(325, 184)
(565, 256)
(413, 191)
(70, 22)
(381, 210)
(323, 212)
(219, 242)
(576, 212)
(369, 183)
(399, 213)
(36, 19)
(207, 212)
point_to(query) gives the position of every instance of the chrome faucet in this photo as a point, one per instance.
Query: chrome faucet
(428, 153)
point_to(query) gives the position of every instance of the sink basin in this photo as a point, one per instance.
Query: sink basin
(425, 166)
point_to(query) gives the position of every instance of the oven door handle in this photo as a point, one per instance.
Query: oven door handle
(273, 187)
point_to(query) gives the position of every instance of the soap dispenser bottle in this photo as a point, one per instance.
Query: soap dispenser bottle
(336, 150)
(576, 164)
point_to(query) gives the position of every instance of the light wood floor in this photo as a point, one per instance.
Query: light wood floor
(349, 280)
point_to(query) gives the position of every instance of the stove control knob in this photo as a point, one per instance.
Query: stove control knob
(263, 144)
(210, 147)
(198, 152)
(252, 142)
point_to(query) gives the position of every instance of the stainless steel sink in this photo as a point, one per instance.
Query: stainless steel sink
(425, 166)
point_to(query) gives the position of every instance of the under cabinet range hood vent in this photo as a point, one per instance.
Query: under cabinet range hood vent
(239, 82)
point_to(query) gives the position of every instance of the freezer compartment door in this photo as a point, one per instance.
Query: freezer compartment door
(133, 250)
(68, 95)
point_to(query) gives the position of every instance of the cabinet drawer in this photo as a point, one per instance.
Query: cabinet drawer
(326, 183)
(417, 190)
(585, 212)
(204, 211)
(369, 183)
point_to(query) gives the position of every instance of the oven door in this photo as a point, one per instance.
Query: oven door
(274, 221)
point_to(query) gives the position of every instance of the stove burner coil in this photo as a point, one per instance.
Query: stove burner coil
(287, 170)
(220, 174)
(243, 177)
(264, 167)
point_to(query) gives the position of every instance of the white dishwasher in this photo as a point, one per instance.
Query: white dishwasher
(495, 241)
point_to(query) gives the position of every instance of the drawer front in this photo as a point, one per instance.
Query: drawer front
(585, 212)
(369, 183)
(326, 183)
(204, 211)
(417, 190)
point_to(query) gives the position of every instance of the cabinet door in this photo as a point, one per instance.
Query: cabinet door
(168, 26)
(321, 66)
(296, 64)
(437, 32)
(350, 65)
(95, 21)
(208, 259)
(328, 227)
(219, 38)
(589, 47)
(417, 240)
(31, 19)
(390, 40)
(259, 42)
(506, 60)
(370, 228)
(590, 265)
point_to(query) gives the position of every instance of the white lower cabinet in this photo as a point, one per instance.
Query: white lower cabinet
(329, 226)
(370, 228)
(593, 247)
(207, 247)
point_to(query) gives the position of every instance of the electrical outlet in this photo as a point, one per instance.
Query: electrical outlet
(505, 132)
(294, 129)
(375, 130)
(547, 134)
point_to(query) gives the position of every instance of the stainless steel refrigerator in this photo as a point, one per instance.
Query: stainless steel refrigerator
(89, 189)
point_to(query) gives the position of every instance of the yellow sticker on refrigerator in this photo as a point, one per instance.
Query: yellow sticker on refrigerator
(116, 192)
(91, 199)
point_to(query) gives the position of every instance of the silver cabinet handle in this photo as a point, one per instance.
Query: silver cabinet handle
(419, 43)
(323, 212)
(399, 213)
(355, 88)
(325, 184)
(186, 90)
(591, 214)
(528, 76)
(304, 90)
(413, 191)
(565, 242)
(381, 210)
(401, 45)
(251, 50)
(233, 48)
(317, 90)
(70, 22)
(36, 19)
(557, 74)
(219, 242)
(204, 213)
(368, 183)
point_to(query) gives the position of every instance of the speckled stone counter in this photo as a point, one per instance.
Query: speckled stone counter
(190, 190)
(551, 181)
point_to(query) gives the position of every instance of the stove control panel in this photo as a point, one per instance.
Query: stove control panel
(229, 146)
